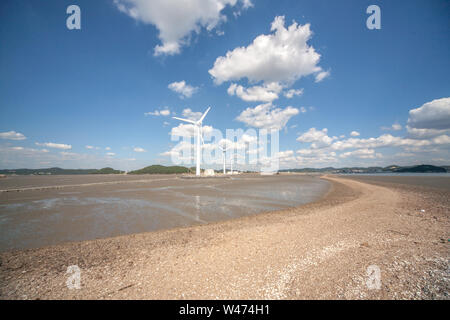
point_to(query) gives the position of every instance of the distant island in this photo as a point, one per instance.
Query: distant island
(423, 168)
(160, 169)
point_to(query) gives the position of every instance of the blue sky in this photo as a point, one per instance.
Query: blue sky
(70, 97)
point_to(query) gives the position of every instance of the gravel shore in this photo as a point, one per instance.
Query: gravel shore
(321, 250)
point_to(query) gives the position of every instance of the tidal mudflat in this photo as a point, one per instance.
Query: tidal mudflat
(37, 211)
(320, 250)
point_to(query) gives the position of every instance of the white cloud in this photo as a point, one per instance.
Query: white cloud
(177, 20)
(425, 133)
(110, 154)
(430, 120)
(264, 93)
(138, 149)
(293, 92)
(191, 115)
(323, 149)
(354, 133)
(182, 88)
(322, 75)
(182, 148)
(395, 127)
(362, 153)
(188, 130)
(12, 135)
(315, 157)
(107, 148)
(387, 140)
(89, 147)
(267, 116)
(318, 138)
(55, 145)
(432, 115)
(283, 56)
(164, 112)
(286, 157)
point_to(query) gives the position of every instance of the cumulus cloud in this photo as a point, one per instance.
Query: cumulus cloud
(55, 145)
(182, 88)
(188, 130)
(164, 112)
(432, 115)
(138, 149)
(267, 116)
(12, 135)
(362, 154)
(191, 115)
(354, 133)
(283, 56)
(430, 120)
(176, 20)
(318, 138)
(265, 93)
(425, 133)
(395, 127)
(432, 138)
(293, 92)
(387, 140)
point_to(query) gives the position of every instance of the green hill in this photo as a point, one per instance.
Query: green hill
(425, 168)
(108, 170)
(158, 169)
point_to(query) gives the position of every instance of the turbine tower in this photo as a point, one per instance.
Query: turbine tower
(224, 150)
(199, 132)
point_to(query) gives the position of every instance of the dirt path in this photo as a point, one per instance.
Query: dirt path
(318, 251)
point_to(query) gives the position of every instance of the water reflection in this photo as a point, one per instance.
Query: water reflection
(80, 215)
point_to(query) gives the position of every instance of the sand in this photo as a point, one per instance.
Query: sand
(317, 251)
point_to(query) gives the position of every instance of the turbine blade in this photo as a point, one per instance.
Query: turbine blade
(201, 130)
(204, 115)
(185, 120)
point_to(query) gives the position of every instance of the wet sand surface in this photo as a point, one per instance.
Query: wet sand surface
(38, 211)
(321, 250)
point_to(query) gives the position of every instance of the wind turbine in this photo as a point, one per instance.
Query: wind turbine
(199, 132)
(224, 150)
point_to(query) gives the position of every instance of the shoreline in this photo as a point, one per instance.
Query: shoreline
(286, 254)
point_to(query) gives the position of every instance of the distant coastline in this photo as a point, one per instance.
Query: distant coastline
(160, 169)
(423, 168)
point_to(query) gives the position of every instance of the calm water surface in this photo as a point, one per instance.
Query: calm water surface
(35, 218)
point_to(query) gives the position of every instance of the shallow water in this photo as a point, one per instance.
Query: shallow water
(35, 218)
